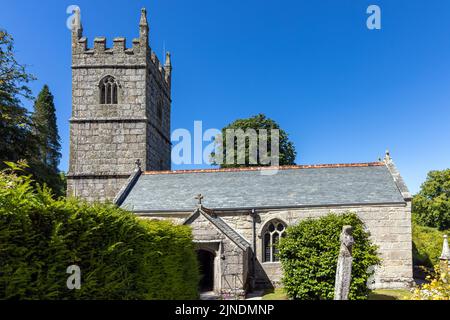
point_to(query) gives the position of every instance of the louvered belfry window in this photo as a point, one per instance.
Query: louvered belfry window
(108, 90)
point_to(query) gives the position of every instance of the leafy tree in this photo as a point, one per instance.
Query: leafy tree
(309, 255)
(24, 137)
(431, 206)
(17, 141)
(287, 151)
(46, 133)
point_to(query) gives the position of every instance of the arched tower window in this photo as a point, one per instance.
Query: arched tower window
(108, 90)
(159, 111)
(272, 233)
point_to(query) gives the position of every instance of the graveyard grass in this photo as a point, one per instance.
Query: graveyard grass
(384, 294)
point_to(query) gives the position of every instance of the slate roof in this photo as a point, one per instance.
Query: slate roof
(222, 226)
(294, 186)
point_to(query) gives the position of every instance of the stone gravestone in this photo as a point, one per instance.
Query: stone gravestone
(445, 259)
(344, 265)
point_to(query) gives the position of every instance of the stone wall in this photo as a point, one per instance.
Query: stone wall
(106, 147)
(231, 261)
(95, 188)
(107, 139)
(389, 225)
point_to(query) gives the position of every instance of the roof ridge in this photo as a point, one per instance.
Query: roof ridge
(288, 167)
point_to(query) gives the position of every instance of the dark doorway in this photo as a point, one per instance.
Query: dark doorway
(206, 264)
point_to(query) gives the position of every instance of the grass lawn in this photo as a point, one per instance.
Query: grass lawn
(390, 294)
(277, 294)
(386, 294)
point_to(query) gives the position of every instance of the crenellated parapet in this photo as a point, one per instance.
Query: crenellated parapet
(139, 54)
(121, 107)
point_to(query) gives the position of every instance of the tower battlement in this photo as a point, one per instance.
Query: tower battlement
(140, 51)
(121, 106)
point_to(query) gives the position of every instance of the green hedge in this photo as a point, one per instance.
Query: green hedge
(120, 256)
(309, 257)
(427, 245)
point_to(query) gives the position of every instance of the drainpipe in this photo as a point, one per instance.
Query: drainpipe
(253, 215)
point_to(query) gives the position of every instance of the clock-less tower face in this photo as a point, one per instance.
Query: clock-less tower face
(120, 113)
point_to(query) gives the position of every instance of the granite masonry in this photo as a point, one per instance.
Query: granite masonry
(107, 136)
(251, 208)
(121, 113)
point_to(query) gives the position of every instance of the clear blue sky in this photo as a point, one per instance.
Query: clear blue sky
(342, 92)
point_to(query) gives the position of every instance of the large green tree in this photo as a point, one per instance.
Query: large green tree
(46, 130)
(17, 141)
(33, 138)
(46, 133)
(431, 206)
(286, 149)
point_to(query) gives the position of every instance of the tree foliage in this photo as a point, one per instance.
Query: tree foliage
(309, 256)
(431, 206)
(17, 141)
(287, 151)
(46, 132)
(120, 256)
(33, 138)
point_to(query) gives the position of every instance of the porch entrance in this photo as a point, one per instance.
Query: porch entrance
(206, 264)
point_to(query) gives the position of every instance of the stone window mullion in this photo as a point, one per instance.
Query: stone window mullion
(271, 237)
(271, 246)
(108, 91)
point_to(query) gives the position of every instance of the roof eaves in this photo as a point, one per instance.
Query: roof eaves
(267, 208)
(293, 167)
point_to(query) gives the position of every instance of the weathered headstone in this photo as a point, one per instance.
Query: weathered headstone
(445, 258)
(344, 265)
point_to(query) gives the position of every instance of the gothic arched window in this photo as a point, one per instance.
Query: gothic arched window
(159, 111)
(108, 90)
(271, 236)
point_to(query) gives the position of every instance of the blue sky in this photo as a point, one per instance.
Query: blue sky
(342, 92)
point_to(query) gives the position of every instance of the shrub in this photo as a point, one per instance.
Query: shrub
(309, 256)
(120, 256)
(427, 245)
(435, 289)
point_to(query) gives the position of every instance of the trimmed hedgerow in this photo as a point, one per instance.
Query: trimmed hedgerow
(427, 245)
(309, 256)
(120, 256)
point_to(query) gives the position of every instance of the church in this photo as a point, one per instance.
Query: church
(120, 151)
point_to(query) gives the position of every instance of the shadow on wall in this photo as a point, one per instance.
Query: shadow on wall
(262, 280)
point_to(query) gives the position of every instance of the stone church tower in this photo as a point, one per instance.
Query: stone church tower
(121, 105)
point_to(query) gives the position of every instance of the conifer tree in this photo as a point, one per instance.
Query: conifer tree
(45, 131)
